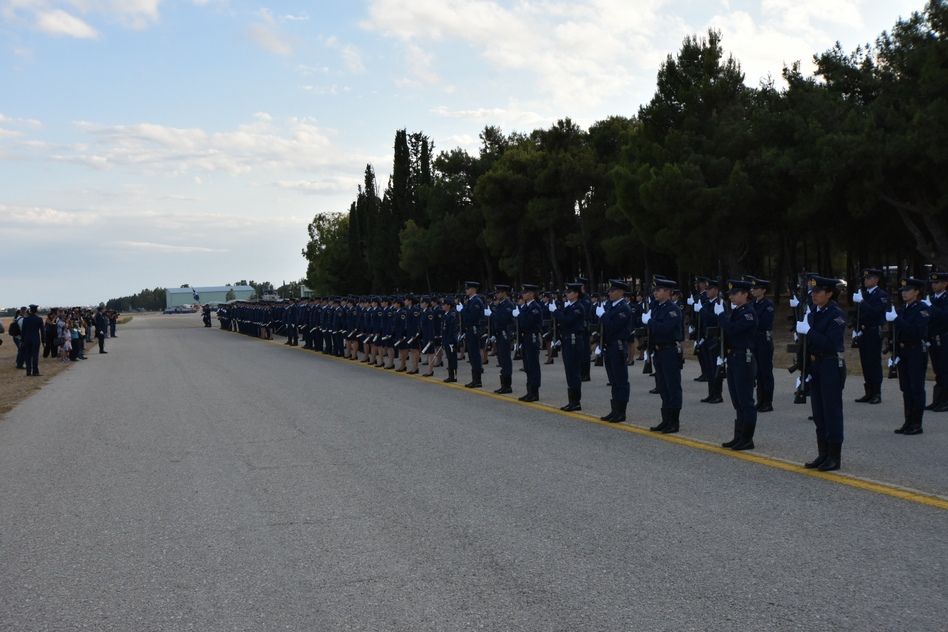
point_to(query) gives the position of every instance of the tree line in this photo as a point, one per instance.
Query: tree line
(830, 173)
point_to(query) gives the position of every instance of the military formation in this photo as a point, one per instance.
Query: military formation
(731, 325)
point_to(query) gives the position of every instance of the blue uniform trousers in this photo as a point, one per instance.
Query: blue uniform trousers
(503, 356)
(615, 359)
(741, 373)
(530, 351)
(764, 355)
(667, 367)
(938, 353)
(473, 343)
(870, 356)
(826, 398)
(572, 357)
(913, 363)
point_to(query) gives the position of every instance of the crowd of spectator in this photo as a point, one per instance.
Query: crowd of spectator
(62, 335)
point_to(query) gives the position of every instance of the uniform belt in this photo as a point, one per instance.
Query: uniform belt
(667, 346)
(817, 357)
(911, 344)
(742, 350)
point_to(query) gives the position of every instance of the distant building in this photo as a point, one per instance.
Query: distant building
(178, 296)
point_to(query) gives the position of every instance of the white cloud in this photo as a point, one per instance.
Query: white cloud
(58, 22)
(261, 146)
(333, 184)
(269, 39)
(578, 52)
(151, 247)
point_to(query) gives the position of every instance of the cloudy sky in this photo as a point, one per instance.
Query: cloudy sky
(148, 143)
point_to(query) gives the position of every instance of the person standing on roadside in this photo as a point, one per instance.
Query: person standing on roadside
(31, 339)
(101, 327)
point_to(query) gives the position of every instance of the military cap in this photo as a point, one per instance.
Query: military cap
(574, 287)
(473, 284)
(448, 300)
(502, 288)
(33, 305)
(763, 283)
(818, 282)
(909, 282)
(425, 299)
(582, 280)
(737, 285)
(938, 276)
(663, 282)
(529, 287)
(616, 284)
(701, 279)
(713, 283)
(871, 272)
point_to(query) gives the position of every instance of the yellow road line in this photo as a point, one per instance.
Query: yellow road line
(886, 489)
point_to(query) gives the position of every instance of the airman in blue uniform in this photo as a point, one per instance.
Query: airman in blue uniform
(571, 329)
(664, 321)
(449, 337)
(872, 303)
(616, 319)
(711, 343)
(824, 327)
(740, 329)
(471, 315)
(764, 344)
(590, 312)
(911, 332)
(530, 321)
(938, 338)
(502, 326)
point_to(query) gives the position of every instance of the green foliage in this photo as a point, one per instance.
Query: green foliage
(151, 300)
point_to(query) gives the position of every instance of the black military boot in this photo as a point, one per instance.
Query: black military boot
(620, 412)
(906, 422)
(936, 398)
(612, 413)
(943, 403)
(672, 426)
(767, 405)
(504, 385)
(475, 380)
(876, 394)
(533, 394)
(747, 437)
(737, 435)
(452, 377)
(915, 419)
(833, 459)
(759, 392)
(865, 398)
(574, 398)
(820, 457)
(664, 423)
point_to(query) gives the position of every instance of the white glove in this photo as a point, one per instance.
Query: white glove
(700, 342)
(891, 315)
(807, 312)
(691, 330)
(552, 307)
(720, 361)
(487, 312)
(600, 310)
(857, 297)
(794, 301)
(896, 362)
(459, 307)
(803, 327)
(809, 377)
(718, 309)
(691, 300)
(855, 335)
(558, 343)
(795, 338)
(516, 312)
(799, 382)
(926, 302)
(733, 306)
(647, 316)
(493, 338)
(598, 351)
(891, 363)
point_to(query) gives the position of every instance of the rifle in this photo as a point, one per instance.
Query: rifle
(800, 347)
(649, 344)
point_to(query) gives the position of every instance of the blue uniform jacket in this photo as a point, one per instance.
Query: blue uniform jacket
(739, 327)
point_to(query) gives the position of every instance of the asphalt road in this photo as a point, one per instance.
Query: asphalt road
(194, 479)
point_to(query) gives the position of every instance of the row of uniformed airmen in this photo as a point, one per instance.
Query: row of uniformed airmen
(732, 339)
